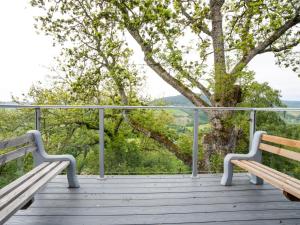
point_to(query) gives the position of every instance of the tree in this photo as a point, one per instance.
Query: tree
(180, 40)
(95, 61)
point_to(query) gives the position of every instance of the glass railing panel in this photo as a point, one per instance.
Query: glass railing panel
(13, 123)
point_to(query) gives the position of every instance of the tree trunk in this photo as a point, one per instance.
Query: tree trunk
(220, 140)
(222, 137)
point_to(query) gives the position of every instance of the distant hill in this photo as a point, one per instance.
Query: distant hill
(7, 103)
(181, 114)
(292, 104)
(180, 100)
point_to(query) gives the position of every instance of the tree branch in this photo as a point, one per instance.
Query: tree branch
(193, 81)
(194, 21)
(148, 132)
(157, 67)
(201, 87)
(260, 48)
(282, 48)
(163, 140)
(194, 98)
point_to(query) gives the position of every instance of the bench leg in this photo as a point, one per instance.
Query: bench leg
(256, 180)
(228, 173)
(290, 197)
(28, 204)
(71, 174)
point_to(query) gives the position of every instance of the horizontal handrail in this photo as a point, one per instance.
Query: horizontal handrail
(148, 107)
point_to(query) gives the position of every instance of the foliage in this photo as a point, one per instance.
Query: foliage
(179, 40)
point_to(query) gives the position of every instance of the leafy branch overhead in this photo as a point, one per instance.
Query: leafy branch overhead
(200, 48)
(178, 37)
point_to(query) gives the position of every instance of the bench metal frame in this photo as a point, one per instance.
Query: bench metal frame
(255, 154)
(40, 156)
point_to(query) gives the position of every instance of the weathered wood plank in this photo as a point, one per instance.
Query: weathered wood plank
(47, 221)
(174, 209)
(9, 156)
(280, 151)
(161, 219)
(251, 222)
(166, 178)
(46, 174)
(57, 190)
(21, 140)
(143, 196)
(281, 140)
(121, 211)
(138, 181)
(104, 185)
(155, 202)
(161, 180)
(16, 183)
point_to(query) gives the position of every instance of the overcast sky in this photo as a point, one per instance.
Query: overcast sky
(25, 58)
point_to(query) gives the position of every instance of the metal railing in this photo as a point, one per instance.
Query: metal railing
(252, 121)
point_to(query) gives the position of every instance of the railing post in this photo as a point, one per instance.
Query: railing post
(252, 126)
(38, 119)
(101, 142)
(195, 144)
(254, 179)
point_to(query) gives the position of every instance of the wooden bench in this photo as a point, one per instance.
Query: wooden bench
(20, 192)
(259, 172)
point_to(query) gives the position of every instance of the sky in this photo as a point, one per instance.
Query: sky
(25, 58)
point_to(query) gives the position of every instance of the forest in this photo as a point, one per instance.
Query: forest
(200, 48)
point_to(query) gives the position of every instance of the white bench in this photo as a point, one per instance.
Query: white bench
(252, 163)
(20, 192)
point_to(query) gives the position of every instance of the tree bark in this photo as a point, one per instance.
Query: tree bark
(219, 54)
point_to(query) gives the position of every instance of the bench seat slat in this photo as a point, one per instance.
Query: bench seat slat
(24, 139)
(9, 156)
(281, 140)
(21, 179)
(277, 172)
(22, 199)
(278, 175)
(19, 190)
(280, 151)
(267, 177)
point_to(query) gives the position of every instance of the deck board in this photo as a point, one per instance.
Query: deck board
(161, 199)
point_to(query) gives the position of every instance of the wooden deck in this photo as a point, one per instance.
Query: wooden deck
(177, 199)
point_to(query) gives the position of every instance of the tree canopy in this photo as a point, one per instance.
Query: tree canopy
(200, 48)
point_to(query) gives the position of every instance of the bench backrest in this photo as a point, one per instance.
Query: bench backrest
(278, 150)
(17, 147)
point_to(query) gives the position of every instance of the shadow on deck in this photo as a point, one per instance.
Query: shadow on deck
(172, 199)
